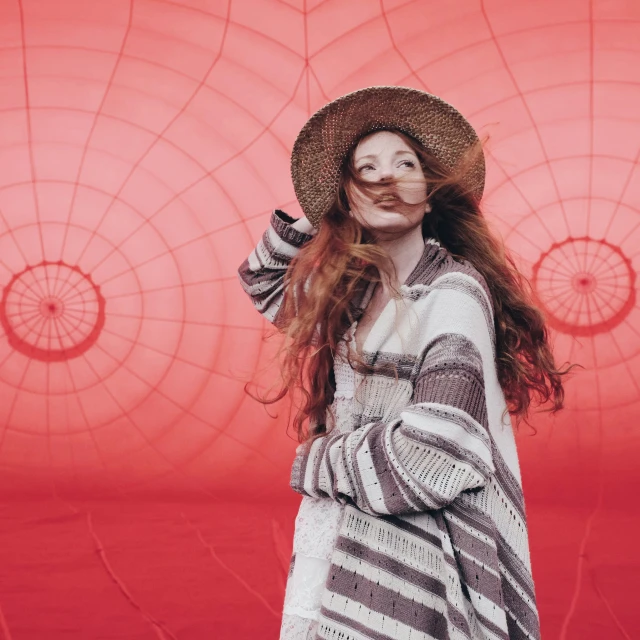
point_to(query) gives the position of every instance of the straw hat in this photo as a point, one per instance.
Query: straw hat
(325, 139)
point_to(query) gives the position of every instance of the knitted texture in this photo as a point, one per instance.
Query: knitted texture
(433, 542)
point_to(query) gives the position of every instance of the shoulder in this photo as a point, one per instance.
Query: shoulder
(453, 297)
(448, 272)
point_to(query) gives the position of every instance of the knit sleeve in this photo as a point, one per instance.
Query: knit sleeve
(262, 273)
(437, 448)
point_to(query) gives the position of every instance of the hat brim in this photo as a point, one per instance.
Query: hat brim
(327, 136)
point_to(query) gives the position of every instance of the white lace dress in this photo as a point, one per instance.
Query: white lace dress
(317, 524)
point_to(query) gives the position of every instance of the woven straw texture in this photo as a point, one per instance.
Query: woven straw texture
(325, 139)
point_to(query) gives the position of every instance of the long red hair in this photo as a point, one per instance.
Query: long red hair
(316, 316)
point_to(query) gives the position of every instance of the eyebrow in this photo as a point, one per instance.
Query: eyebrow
(371, 155)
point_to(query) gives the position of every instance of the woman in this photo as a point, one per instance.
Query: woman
(411, 337)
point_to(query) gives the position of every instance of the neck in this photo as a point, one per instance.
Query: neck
(405, 253)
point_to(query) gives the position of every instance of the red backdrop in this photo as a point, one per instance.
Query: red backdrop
(143, 146)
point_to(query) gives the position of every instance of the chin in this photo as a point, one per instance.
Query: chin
(390, 222)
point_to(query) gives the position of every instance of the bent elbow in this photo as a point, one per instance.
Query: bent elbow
(441, 492)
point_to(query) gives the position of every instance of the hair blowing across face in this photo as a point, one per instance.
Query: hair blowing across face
(315, 319)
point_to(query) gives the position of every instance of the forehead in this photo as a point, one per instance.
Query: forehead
(378, 141)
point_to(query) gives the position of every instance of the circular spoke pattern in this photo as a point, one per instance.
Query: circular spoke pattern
(144, 145)
(588, 286)
(52, 312)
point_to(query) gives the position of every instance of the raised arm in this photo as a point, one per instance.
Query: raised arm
(262, 273)
(439, 446)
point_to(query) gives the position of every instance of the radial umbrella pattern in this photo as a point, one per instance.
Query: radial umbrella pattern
(131, 170)
(143, 146)
(52, 312)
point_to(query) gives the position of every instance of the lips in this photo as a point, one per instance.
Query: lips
(386, 203)
(385, 199)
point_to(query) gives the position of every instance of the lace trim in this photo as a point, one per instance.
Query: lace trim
(298, 628)
(317, 523)
(301, 612)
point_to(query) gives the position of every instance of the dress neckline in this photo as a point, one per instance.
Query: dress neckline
(361, 301)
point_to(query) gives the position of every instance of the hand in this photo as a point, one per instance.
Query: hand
(303, 224)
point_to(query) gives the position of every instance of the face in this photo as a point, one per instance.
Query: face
(379, 157)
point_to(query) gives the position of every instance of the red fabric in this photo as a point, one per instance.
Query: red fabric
(142, 147)
(195, 571)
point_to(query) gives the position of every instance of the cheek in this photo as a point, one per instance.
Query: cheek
(357, 199)
(418, 189)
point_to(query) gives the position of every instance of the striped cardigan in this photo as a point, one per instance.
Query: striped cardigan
(433, 543)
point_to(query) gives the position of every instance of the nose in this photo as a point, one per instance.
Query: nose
(386, 173)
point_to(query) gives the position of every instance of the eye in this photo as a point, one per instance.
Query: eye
(364, 166)
(410, 163)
